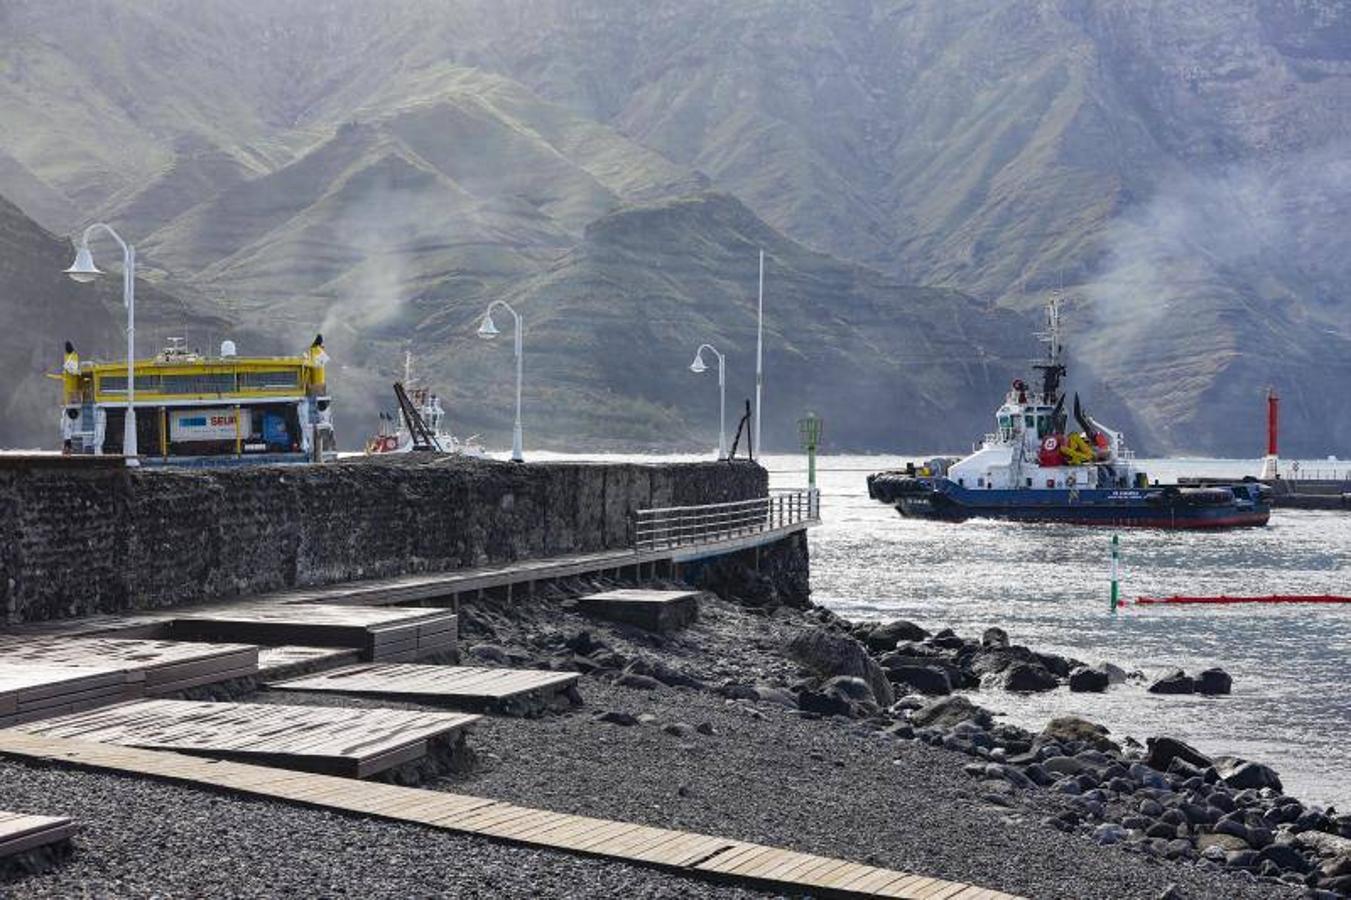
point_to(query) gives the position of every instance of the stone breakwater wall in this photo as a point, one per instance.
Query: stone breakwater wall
(77, 539)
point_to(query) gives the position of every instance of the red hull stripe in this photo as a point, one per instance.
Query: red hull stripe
(1272, 598)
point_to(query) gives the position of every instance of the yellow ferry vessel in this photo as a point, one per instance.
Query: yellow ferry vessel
(192, 409)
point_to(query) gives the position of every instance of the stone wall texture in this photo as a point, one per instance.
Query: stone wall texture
(82, 538)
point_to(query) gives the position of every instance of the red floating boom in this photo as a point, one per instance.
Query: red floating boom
(1223, 598)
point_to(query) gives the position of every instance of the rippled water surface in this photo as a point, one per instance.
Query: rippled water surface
(1047, 585)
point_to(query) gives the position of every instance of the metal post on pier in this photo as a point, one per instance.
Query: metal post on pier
(1116, 588)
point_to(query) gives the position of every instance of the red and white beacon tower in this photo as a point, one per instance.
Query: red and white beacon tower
(1270, 462)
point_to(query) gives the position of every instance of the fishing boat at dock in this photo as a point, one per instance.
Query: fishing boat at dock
(1032, 468)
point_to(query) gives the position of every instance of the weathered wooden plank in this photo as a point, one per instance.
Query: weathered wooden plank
(311, 738)
(689, 853)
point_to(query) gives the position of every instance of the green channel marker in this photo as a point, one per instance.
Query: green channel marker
(1116, 586)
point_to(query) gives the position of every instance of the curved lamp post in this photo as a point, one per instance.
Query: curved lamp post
(488, 330)
(698, 367)
(83, 270)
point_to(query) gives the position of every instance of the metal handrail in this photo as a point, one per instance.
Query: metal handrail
(677, 526)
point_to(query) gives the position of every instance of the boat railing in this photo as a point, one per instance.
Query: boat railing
(681, 526)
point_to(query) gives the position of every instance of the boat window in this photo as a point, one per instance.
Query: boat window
(1029, 421)
(980, 482)
(961, 482)
(1005, 422)
(272, 379)
(1029, 482)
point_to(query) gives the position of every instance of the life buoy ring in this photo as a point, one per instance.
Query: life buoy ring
(1051, 444)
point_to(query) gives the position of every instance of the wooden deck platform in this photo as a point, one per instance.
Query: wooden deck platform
(32, 691)
(496, 690)
(383, 634)
(150, 668)
(657, 611)
(293, 660)
(20, 833)
(681, 852)
(310, 738)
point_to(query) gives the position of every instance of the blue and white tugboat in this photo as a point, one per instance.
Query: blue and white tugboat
(1034, 469)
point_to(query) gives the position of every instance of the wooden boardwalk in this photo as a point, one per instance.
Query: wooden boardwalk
(509, 691)
(656, 611)
(150, 668)
(21, 833)
(686, 853)
(521, 574)
(294, 660)
(388, 633)
(29, 691)
(311, 738)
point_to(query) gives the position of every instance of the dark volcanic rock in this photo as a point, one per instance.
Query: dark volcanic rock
(1072, 728)
(1213, 682)
(1239, 773)
(924, 679)
(1027, 678)
(988, 662)
(1085, 680)
(1175, 682)
(886, 637)
(830, 655)
(1163, 750)
(949, 711)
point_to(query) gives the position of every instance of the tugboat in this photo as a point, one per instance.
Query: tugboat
(1033, 469)
(421, 413)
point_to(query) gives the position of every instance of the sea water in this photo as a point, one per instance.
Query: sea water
(1048, 586)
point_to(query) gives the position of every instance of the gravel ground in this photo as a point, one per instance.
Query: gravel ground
(150, 839)
(760, 773)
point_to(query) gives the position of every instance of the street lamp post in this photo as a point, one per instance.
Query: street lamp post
(697, 367)
(488, 330)
(83, 270)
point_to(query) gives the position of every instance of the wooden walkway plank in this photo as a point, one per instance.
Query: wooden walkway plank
(476, 688)
(687, 853)
(314, 738)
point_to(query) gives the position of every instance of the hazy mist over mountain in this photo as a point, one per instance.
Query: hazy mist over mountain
(922, 175)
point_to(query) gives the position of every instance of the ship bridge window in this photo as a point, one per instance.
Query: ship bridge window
(269, 380)
(1005, 422)
(1029, 421)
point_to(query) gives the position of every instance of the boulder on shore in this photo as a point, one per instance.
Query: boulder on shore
(885, 637)
(930, 680)
(1239, 773)
(1072, 728)
(1213, 682)
(1027, 678)
(949, 711)
(1174, 682)
(1086, 680)
(1163, 750)
(830, 655)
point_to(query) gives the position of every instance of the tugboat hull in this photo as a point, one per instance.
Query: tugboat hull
(1238, 506)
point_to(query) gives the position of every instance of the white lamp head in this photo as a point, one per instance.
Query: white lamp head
(83, 269)
(698, 365)
(486, 329)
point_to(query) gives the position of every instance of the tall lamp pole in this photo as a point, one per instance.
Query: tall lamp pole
(488, 330)
(83, 270)
(760, 353)
(698, 367)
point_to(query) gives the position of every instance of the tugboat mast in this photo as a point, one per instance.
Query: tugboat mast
(1054, 368)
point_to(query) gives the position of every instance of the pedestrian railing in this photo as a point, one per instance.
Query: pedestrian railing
(682, 526)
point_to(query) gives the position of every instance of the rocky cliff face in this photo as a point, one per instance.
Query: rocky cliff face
(1180, 168)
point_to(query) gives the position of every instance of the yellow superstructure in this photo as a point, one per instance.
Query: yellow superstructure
(189, 406)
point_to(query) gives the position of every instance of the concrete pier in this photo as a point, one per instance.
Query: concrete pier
(78, 539)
